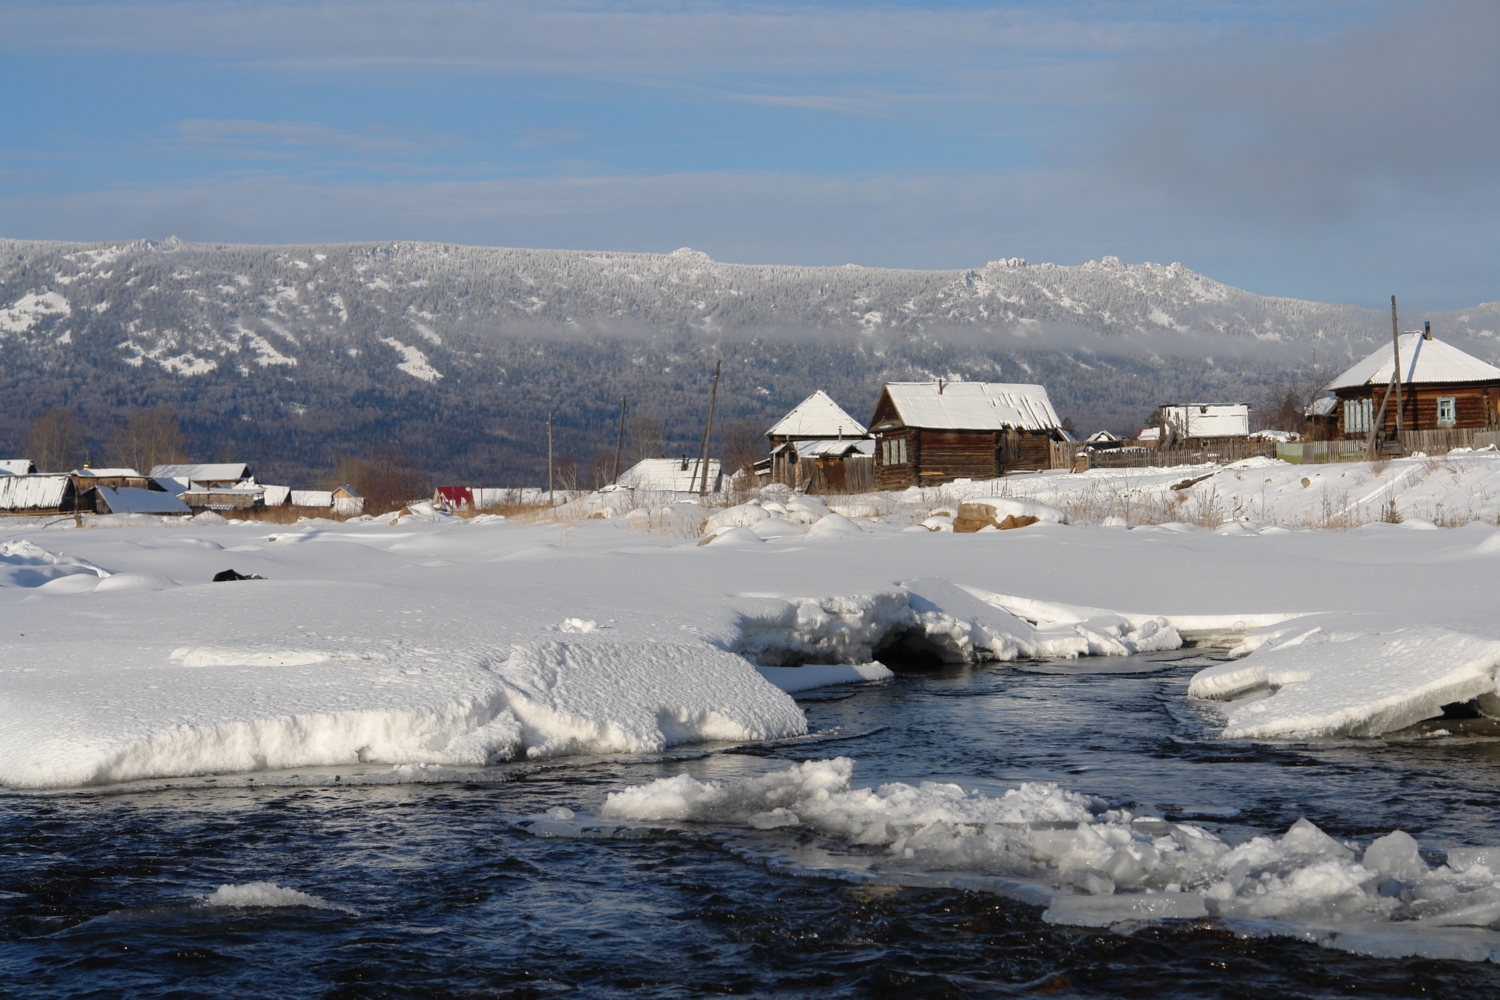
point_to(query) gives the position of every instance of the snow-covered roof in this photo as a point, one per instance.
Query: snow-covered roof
(826, 448)
(1322, 407)
(312, 498)
(16, 467)
(107, 474)
(198, 489)
(817, 416)
(969, 406)
(276, 495)
(42, 492)
(1421, 361)
(674, 475)
(1101, 436)
(213, 471)
(130, 500)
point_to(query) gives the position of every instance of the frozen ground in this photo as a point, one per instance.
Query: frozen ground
(430, 642)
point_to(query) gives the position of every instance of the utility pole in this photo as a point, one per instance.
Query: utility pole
(708, 429)
(1396, 350)
(619, 440)
(549, 459)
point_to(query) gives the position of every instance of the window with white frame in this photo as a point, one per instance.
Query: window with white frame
(1359, 416)
(1447, 411)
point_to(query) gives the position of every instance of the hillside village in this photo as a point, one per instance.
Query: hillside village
(921, 435)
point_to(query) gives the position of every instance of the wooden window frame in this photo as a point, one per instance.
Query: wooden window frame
(1452, 411)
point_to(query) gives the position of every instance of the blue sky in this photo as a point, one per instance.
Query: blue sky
(1338, 151)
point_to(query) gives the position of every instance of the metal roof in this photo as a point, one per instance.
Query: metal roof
(1421, 361)
(817, 416)
(39, 492)
(973, 406)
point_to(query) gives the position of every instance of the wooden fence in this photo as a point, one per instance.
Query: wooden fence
(1220, 451)
(1434, 442)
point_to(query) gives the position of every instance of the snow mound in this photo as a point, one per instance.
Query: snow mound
(832, 525)
(26, 564)
(267, 894)
(1350, 684)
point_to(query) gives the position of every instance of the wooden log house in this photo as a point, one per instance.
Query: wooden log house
(928, 433)
(818, 439)
(1442, 388)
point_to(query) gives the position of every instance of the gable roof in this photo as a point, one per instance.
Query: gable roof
(972, 406)
(130, 500)
(817, 416)
(1421, 361)
(211, 472)
(34, 492)
(671, 475)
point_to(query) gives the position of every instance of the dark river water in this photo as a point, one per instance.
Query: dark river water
(447, 895)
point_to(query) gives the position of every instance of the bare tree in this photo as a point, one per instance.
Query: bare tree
(55, 440)
(148, 438)
(388, 482)
(647, 437)
(742, 444)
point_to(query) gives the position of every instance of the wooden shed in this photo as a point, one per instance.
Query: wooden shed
(204, 474)
(1442, 388)
(816, 419)
(38, 494)
(927, 433)
(116, 479)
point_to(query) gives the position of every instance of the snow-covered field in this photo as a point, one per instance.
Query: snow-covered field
(419, 645)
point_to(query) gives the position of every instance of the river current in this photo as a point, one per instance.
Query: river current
(439, 889)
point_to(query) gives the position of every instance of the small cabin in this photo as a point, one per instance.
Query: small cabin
(1203, 422)
(202, 496)
(116, 479)
(811, 435)
(928, 433)
(347, 502)
(1442, 388)
(204, 474)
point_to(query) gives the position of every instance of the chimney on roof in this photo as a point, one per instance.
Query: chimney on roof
(1426, 331)
(940, 387)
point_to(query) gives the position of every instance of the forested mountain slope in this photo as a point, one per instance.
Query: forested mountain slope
(295, 356)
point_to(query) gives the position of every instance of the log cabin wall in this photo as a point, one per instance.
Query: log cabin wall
(895, 475)
(1477, 406)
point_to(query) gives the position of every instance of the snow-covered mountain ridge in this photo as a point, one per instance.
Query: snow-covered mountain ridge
(269, 333)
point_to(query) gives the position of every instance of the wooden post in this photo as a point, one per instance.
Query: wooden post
(1378, 424)
(708, 429)
(1396, 350)
(619, 441)
(549, 458)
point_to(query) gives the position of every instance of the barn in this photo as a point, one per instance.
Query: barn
(927, 433)
(1442, 389)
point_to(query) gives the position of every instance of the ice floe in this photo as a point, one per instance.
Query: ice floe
(1102, 867)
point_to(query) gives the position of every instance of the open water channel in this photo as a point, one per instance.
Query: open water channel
(442, 891)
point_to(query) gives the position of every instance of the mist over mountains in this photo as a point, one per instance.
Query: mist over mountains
(296, 356)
